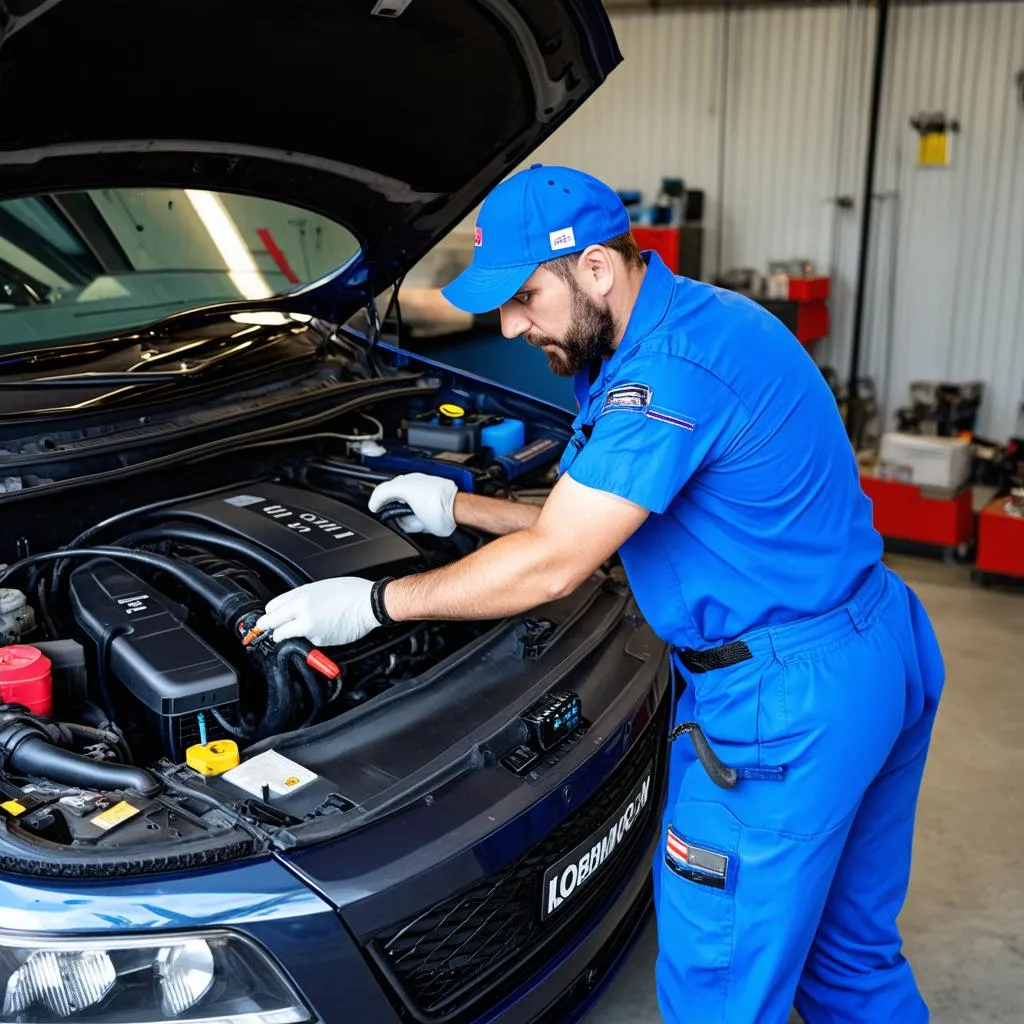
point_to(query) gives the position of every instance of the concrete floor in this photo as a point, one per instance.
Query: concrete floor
(963, 923)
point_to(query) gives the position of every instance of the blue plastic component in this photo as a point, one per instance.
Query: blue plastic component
(405, 461)
(535, 455)
(505, 437)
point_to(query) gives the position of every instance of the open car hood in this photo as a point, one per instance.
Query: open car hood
(391, 117)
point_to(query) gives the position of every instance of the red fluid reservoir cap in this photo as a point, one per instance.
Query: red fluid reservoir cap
(25, 678)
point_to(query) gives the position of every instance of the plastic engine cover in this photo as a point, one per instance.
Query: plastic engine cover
(152, 652)
(318, 536)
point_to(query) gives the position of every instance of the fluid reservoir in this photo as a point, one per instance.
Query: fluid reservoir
(504, 437)
(25, 678)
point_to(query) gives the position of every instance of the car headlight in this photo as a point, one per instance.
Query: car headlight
(215, 977)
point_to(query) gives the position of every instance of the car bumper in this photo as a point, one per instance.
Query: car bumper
(331, 947)
(466, 932)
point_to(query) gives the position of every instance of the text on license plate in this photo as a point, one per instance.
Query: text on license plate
(563, 880)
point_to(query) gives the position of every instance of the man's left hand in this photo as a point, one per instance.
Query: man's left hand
(328, 613)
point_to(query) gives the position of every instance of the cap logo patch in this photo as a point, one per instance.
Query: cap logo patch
(562, 239)
(478, 237)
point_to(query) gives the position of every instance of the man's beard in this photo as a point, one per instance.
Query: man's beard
(588, 337)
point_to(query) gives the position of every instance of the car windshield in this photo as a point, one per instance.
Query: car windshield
(83, 264)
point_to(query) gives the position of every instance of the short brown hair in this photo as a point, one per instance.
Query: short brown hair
(625, 245)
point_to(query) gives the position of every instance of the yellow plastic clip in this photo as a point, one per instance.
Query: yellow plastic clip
(213, 758)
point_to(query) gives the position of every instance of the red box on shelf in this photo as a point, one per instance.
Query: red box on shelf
(903, 512)
(812, 321)
(809, 289)
(663, 240)
(1000, 541)
(680, 246)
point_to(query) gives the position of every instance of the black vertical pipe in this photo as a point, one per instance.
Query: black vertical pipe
(723, 99)
(867, 206)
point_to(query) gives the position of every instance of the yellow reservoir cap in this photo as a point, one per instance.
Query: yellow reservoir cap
(453, 412)
(212, 758)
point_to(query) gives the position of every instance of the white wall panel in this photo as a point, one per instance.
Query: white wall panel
(658, 114)
(956, 306)
(780, 94)
(784, 80)
(797, 112)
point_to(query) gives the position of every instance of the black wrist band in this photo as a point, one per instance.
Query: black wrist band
(380, 613)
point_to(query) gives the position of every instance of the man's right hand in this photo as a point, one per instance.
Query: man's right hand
(431, 498)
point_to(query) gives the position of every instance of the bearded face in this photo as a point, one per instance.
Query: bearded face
(587, 337)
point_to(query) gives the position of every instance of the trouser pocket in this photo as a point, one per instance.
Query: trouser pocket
(737, 912)
(699, 866)
(735, 710)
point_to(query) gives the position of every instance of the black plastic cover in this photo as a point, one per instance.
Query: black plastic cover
(447, 437)
(70, 678)
(316, 535)
(151, 651)
(116, 819)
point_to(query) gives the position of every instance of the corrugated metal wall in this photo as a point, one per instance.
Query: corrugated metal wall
(955, 236)
(763, 109)
(796, 129)
(766, 111)
(659, 113)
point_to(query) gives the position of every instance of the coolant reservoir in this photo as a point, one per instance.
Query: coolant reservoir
(25, 678)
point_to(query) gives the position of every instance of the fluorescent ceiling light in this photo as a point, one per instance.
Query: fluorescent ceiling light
(263, 318)
(233, 251)
(270, 318)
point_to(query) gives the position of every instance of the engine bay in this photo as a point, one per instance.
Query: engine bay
(132, 682)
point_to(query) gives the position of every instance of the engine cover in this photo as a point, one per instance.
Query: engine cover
(170, 669)
(318, 536)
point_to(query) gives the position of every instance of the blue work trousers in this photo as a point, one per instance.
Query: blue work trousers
(785, 890)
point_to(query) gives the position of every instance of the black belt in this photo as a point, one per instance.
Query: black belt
(715, 657)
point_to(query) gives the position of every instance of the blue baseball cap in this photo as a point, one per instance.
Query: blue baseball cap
(536, 215)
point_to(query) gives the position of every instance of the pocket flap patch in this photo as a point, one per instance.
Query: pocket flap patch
(696, 863)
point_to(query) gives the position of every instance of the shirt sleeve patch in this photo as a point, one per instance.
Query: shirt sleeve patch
(638, 398)
(635, 397)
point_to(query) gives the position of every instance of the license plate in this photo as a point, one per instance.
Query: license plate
(564, 880)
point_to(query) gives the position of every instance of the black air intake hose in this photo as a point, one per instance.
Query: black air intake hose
(26, 749)
(227, 603)
(219, 541)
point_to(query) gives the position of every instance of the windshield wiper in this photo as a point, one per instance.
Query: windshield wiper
(139, 373)
(97, 379)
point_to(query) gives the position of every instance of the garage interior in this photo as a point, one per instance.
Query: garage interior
(856, 167)
(743, 133)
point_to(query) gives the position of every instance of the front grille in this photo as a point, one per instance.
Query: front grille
(445, 958)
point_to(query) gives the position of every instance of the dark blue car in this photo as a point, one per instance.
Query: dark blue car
(205, 212)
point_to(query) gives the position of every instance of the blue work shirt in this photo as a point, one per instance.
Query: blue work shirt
(712, 416)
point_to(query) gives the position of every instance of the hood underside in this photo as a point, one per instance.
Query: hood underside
(393, 119)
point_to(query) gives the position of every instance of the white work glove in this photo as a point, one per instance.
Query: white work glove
(328, 613)
(432, 499)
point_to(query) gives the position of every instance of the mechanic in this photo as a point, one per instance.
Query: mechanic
(709, 453)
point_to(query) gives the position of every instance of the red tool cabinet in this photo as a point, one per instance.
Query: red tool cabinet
(904, 512)
(1000, 542)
